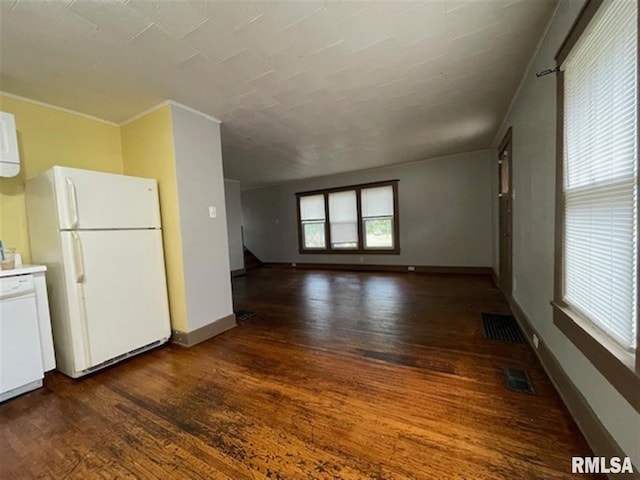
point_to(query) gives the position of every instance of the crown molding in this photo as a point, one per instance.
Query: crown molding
(173, 103)
(56, 107)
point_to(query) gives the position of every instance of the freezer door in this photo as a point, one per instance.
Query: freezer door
(97, 200)
(116, 279)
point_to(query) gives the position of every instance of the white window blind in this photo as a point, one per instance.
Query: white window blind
(343, 219)
(312, 207)
(377, 217)
(377, 202)
(600, 173)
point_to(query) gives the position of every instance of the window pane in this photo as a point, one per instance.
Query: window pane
(378, 233)
(600, 99)
(503, 168)
(313, 235)
(312, 207)
(377, 202)
(599, 243)
(343, 218)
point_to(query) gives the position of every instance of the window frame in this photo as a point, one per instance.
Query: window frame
(361, 250)
(619, 368)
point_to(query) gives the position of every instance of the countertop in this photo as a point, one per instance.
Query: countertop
(23, 270)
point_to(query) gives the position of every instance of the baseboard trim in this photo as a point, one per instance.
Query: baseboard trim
(359, 267)
(238, 273)
(189, 339)
(597, 436)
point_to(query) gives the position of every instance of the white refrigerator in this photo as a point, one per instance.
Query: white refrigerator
(100, 236)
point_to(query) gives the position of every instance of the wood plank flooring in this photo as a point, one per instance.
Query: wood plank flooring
(340, 375)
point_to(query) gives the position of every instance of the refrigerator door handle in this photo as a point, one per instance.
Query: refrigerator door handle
(73, 202)
(78, 257)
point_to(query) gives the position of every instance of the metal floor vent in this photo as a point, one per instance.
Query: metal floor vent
(518, 381)
(502, 327)
(243, 315)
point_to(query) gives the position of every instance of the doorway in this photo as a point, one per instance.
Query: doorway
(505, 206)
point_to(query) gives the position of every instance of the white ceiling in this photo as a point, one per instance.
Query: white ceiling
(303, 88)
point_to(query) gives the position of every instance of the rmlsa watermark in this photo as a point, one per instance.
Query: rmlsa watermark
(601, 465)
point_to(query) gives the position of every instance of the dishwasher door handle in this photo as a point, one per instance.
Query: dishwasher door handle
(17, 295)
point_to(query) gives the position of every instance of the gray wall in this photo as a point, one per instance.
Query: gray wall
(444, 208)
(234, 224)
(205, 253)
(534, 142)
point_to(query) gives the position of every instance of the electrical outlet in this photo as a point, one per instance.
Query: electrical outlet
(361, 259)
(293, 265)
(535, 341)
(411, 269)
(212, 212)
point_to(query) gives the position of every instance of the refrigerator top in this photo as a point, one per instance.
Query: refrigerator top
(90, 200)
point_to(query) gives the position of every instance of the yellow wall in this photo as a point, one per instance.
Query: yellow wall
(48, 137)
(148, 151)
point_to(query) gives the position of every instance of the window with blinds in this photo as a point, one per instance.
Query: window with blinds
(600, 173)
(377, 217)
(312, 217)
(351, 219)
(343, 219)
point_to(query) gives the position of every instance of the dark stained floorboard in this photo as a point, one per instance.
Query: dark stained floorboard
(339, 375)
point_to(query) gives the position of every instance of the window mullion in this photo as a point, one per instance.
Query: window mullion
(396, 222)
(327, 223)
(359, 211)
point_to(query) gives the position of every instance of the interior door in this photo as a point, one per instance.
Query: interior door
(505, 202)
(98, 200)
(120, 289)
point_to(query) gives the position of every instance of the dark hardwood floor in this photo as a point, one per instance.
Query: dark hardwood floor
(339, 375)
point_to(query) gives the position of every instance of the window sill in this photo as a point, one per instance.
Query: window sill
(395, 251)
(616, 365)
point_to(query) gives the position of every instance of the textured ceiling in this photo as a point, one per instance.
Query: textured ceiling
(303, 88)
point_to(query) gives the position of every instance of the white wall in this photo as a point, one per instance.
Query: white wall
(198, 158)
(234, 224)
(534, 159)
(444, 209)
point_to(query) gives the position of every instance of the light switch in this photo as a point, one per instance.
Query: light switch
(212, 212)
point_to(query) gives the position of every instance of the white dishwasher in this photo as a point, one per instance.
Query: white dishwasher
(21, 368)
